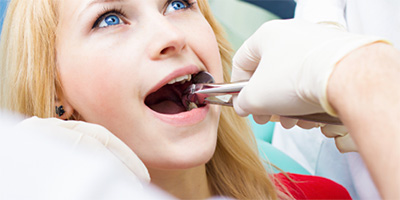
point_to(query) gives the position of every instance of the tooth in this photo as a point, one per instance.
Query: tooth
(172, 81)
(181, 78)
(187, 77)
(191, 106)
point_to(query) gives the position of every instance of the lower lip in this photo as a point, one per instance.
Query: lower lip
(187, 118)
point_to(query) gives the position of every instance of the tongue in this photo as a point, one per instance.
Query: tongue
(168, 107)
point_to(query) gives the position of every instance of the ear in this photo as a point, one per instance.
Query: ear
(63, 109)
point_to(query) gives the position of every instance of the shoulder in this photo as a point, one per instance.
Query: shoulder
(310, 187)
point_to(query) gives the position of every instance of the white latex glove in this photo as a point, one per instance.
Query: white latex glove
(344, 142)
(56, 159)
(330, 12)
(288, 64)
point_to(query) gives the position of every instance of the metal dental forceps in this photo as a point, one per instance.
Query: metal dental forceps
(205, 91)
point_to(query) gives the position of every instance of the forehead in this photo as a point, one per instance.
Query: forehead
(67, 7)
(84, 4)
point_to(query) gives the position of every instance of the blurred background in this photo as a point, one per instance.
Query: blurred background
(3, 6)
(241, 18)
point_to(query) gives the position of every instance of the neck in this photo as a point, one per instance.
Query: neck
(183, 184)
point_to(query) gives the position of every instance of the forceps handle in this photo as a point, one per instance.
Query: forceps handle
(221, 88)
(217, 94)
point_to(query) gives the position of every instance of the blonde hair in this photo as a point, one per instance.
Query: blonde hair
(27, 58)
(236, 169)
(29, 82)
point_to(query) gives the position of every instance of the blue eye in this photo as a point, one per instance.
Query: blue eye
(110, 20)
(177, 5)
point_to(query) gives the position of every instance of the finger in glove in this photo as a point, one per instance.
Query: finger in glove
(288, 123)
(345, 144)
(334, 130)
(261, 119)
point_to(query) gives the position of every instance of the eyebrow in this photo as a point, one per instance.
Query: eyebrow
(93, 2)
(103, 1)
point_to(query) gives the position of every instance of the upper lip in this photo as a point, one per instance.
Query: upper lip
(175, 74)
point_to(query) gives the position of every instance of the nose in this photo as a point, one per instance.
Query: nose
(167, 40)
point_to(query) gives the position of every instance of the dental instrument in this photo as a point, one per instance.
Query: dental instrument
(204, 91)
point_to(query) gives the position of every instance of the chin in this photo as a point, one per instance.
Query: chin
(189, 160)
(181, 161)
(187, 153)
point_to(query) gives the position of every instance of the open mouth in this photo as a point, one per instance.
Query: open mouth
(168, 99)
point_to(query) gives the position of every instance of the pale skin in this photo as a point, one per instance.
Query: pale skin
(107, 73)
(364, 89)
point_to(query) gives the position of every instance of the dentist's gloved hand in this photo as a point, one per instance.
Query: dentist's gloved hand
(344, 142)
(288, 64)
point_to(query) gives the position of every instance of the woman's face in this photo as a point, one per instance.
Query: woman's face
(112, 54)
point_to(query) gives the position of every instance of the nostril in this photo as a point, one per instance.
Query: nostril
(167, 50)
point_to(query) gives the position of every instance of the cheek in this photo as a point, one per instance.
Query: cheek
(206, 48)
(91, 82)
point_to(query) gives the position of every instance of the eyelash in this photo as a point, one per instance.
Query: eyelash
(187, 2)
(120, 12)
(105, 12)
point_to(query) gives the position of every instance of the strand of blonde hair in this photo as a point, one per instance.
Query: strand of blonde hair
(27, 60)
(236, 169)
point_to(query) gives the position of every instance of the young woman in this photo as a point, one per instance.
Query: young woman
(122, 64)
